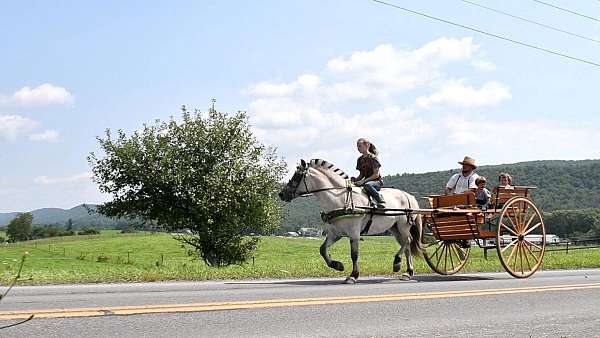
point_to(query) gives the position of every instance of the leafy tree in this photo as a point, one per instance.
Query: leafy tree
(70, 225)
(19, 229)
(44, 231)
(206, 174)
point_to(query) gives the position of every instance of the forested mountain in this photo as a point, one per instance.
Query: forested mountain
(561, 185)
(79, 216)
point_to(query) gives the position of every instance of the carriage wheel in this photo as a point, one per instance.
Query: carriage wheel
(521, 237)
(444, 257)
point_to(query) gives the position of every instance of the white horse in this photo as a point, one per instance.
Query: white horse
(349, 213)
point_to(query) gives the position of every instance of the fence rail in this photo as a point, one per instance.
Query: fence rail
(576, 244)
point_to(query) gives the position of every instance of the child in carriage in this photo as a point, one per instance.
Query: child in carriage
(482, 195)
(505, 181)
(368, 165)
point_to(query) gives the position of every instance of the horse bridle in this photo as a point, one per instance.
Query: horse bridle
(301, 174)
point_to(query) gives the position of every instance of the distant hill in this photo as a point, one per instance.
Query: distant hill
(562, 185)
(79, 215)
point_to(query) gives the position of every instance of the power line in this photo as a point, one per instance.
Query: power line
(531, 21)
(490, 34)
(566, 10)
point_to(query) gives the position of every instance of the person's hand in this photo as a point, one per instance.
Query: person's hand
(359, 183)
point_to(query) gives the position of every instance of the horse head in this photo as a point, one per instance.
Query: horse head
(290, 191)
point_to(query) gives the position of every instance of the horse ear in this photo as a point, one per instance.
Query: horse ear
(302, 163)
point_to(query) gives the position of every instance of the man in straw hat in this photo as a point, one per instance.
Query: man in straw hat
(465, 180)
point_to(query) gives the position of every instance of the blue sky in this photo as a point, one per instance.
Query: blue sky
(313, 75)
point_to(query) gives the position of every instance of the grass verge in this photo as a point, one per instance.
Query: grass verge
(114, 257)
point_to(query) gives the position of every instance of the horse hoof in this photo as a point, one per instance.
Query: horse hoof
(397, 267)
(350, 280)
(339, 266)
(405, 276)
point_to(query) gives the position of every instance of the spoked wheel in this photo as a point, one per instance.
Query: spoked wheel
(521, 237)
(445, 257)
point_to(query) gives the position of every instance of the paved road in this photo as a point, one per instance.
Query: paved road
(552, 303)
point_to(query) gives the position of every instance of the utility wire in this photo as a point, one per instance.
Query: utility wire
(490, 34)
(566, 10)
(531, 21)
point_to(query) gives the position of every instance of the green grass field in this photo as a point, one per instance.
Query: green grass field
(153, 257)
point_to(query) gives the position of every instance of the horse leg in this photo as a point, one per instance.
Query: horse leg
(409, 261)
(354, 255)
(398, 256)
(329, 241)
(404, 240)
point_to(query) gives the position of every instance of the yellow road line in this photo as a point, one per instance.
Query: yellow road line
(271, 303)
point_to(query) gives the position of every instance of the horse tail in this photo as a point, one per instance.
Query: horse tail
(416, 228)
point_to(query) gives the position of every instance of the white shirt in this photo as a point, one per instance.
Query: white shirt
(459, 183)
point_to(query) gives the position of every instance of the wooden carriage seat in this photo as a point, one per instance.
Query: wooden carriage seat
(466, 199)
(459, 226)
(452, 226)
(501, 195)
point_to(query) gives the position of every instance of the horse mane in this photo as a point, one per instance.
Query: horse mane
(328, 169)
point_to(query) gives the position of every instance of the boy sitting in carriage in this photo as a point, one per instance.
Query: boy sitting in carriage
(482, 195)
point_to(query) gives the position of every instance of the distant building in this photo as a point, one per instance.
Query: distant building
(535, 239)
(310, 232)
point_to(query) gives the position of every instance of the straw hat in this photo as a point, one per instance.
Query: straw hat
(469, 161)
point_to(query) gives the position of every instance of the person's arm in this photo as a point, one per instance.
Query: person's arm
(448, 188)
(472, 185)
(374, 176)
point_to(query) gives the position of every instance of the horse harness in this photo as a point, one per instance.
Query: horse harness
(349, 209)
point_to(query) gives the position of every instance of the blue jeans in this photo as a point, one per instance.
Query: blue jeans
(372, 188)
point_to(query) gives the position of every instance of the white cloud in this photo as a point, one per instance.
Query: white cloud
(458, 94)
(376, 74)
(43, 95)
(366, 94)
(45, 136)
(390, 69)
(485, 66)
(504, 141)
(12, 126)
(323, 114)
(304, 83)
(45, 180)
(271, 89)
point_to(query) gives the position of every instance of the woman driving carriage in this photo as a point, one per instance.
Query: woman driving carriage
(368, 165)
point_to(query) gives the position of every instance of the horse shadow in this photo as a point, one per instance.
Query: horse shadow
(372, 280)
